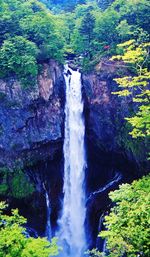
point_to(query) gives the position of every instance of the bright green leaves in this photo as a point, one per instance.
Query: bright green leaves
(134, 54)
(124, 30)
(128, 222)
(29, 33)
(14, 242)
(18, 56)
(137, 85)
(140, 122)
(40, 248)
(105, 28)
(43, 31)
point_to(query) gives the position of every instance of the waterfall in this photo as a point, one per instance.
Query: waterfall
(115, 179)
(48, 232)
(99, 240)
(71, 224)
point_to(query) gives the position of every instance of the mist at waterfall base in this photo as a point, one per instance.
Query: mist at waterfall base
(71, 232)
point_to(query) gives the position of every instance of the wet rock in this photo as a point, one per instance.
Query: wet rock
(105, 112)
(109, 147)
(32, 119)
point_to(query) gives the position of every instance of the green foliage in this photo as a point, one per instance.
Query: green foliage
(128, 222)
(140, 122)
(124, 30)
(15, 183)
(18, 56)
(107, 21)
(13, 240)
(59, 5)
(29, 33)
(105, 24)
(136, 12)
(87, 27)
(131, 145)
(136, 57)
(94, 253)
(104, 4)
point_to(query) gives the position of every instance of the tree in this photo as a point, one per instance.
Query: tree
(18, 56)
(136, 12)
(29, 34)
(136, 58)
(15, 242)
(87, 28)
(105, 29)
(128, 222)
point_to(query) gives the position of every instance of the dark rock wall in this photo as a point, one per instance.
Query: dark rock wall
(31, 120)
(104, 112)
(110, 150)
(31, 136)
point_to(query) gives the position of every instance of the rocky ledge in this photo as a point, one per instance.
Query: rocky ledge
(31, 119)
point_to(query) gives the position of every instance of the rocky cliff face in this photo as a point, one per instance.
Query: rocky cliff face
(105, 112)
(31, 136)
(111, 151)
(31, 119)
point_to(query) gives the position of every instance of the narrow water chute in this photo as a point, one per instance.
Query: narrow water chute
(48, 232)
(71, 224)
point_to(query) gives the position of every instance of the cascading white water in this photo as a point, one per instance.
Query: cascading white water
(71, 223)
(48, 232)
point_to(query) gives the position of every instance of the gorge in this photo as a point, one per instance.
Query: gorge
(35, 143)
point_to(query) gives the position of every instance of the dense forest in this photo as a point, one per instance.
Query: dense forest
(85, 32)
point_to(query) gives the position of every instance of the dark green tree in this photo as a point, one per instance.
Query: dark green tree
(87, 28)
(29, 33)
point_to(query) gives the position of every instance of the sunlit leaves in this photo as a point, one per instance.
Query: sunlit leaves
(14, 241)
(140, 122)
(128, 222)
(136, 85)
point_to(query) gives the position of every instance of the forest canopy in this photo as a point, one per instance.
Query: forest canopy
(76, 27)
(23, 43)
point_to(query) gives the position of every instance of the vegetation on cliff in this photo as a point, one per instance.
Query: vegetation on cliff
(15, 183)
(29, 35)
(136, 57)
(127, 225)
(15, 241)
